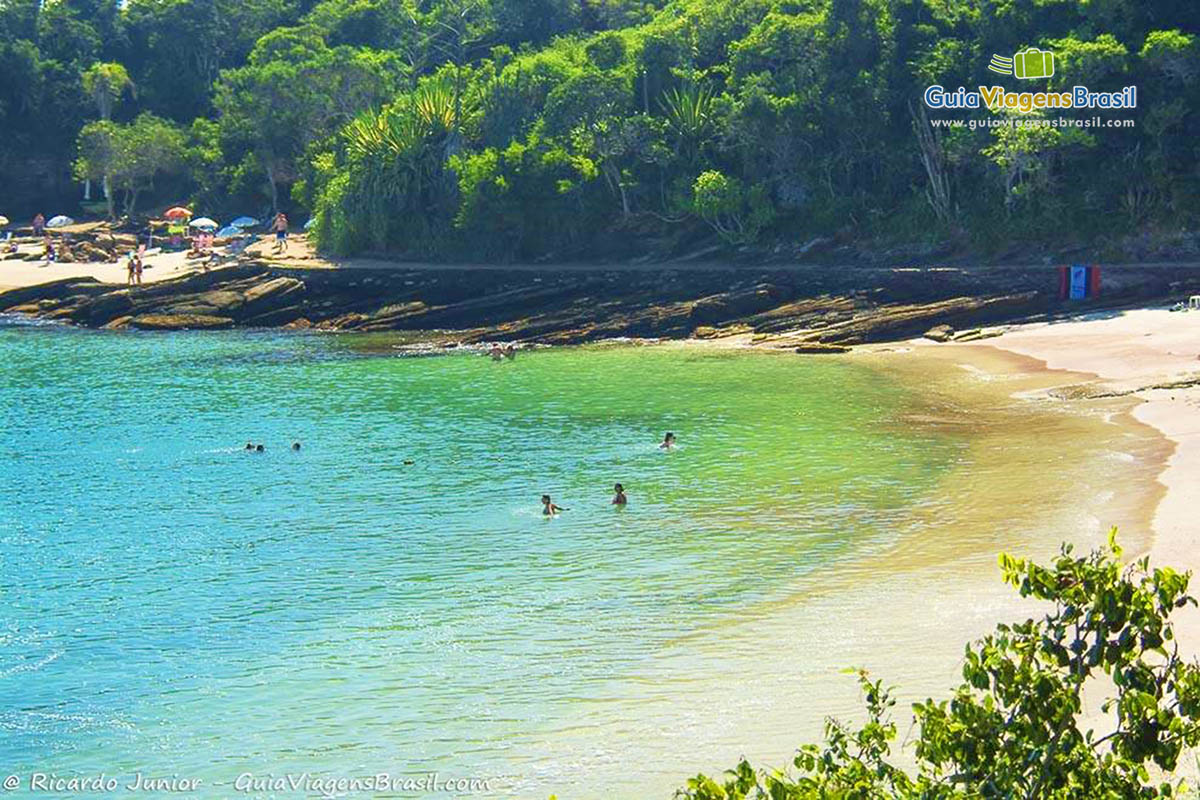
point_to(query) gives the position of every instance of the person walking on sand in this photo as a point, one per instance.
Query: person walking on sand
(668, 441)
(548, 507)
(619, 498)
(138, 266)
(280, 226)
(132, 267)
(39, 224)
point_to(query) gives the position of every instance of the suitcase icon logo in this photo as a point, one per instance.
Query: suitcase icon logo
(1025, 64)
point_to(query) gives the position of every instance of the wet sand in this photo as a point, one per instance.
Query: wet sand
(1151, 357)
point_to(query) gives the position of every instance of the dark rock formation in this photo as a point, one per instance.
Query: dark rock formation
(179, 322)
(940, 333)
(811, 309)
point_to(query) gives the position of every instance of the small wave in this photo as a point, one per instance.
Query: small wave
(34, 667)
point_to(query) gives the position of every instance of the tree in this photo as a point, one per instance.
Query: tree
(1022, 149)
(105, 83)
(147, 147)
(128, 157)
(617, 146)
(690, 114)
(295, 90)
(735, 213)
(1014, 727)
(98, 156)
(1174, 53)
(933, 159)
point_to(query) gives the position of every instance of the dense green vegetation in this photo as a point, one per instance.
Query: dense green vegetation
(522, 129)
(1017, 726)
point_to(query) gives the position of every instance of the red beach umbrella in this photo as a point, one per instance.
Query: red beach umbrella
(178, 212)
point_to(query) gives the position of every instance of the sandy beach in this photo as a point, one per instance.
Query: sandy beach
(1151, 355)
(161, 267)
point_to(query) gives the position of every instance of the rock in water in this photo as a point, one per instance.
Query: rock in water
(179, 322)
(819, 348)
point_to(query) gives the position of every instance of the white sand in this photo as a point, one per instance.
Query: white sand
(1133, 352)
(15, 274)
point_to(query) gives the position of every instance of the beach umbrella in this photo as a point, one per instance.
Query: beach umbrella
(3, 220)
(60, 221)
(308, 225)
(178, 212)
(204, 223)
(228, 231)
(244, 222)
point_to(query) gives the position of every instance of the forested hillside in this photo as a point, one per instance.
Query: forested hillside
(527, 129)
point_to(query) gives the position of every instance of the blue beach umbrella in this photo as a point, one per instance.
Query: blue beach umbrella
(308, 225)
(244, 222)
(227, 231)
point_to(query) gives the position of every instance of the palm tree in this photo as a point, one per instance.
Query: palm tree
(690, 114)
(105, 82)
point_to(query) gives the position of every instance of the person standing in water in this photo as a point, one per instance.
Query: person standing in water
(548, 507)
(668, 441)
(497, 352)
(619, 498)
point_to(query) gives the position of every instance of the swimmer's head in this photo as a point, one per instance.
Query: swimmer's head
(618, 488)
(295, 445)
(249, 446)
(670, 437)
(260, 448)
(545, 499)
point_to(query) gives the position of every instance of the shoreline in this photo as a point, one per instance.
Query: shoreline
(1151, 357)
(808, 310)
(1010, 398)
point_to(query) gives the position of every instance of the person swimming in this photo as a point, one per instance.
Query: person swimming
(668, 441)
(295, 445)
(510, 352)
(497, 352)
(249, 446)
(259, 449)
(548, 507)
(619, 498)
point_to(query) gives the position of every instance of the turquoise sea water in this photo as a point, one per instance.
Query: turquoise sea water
(173, 605)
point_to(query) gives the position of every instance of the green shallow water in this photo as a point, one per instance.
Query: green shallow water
(176, 606)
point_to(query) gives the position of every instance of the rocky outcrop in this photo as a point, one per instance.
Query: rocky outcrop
(819, 348)
(940, 333)
(811, 310)
(179, 322)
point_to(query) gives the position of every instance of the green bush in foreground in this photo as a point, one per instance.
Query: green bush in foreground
(1012, 728)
